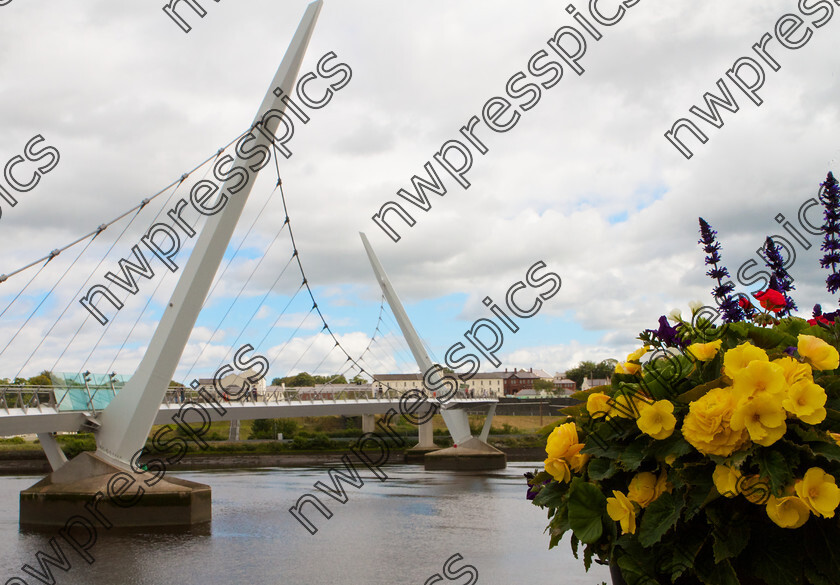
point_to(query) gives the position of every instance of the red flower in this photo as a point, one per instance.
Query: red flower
(770, 299)
(744, 303)
(820, 319)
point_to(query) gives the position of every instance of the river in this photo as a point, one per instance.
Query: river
(398, 531)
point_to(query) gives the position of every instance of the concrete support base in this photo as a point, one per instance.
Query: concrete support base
(368, 423)
(89, 488)
(472, 455)
(416, 455)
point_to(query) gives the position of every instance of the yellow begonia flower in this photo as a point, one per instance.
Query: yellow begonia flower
(559, 469)
(819, 354)
(662, 485)
(563, 450)
(597, 405)
(627, 368)
(726, 480)
(819, 491)
(642, 488)
(836, 437)
(705, 351)
(621, 510)
(758, 377)
(657, 419)
(756, 489)
(632, 366)
(762, 416)
(625, 406)
(794, 370)
(739, 357)
(806, 400)
(637, 355)
(707, 428)
(788, 512)
(669, 459)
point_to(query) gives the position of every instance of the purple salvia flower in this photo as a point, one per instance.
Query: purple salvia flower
(732, 311)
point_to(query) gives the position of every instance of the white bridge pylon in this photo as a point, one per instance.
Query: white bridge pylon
(456, 419)
(127, 421)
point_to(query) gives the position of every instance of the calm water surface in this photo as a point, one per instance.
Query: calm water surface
(400, 531)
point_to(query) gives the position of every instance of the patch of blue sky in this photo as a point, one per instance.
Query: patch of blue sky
(644, 197)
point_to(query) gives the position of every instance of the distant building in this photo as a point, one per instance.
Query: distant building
(232, 384)
(489, 385)
(562, 384)
(519, 380)
(400, 382)
(587, 383)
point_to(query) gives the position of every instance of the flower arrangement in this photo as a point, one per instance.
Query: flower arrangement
(714, 455)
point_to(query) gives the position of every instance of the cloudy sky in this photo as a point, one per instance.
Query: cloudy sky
(585, 181)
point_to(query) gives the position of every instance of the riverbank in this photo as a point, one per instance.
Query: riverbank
(29, 463)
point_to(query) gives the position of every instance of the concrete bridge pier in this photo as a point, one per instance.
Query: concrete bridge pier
(425, 444)
(368, 423)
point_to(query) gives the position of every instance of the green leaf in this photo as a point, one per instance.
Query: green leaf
(674, 445)
(830, 451)
(820, 538)
(634, 453)
(718, 574)
(659, 517)
(634, 572)
(587, 557)
(586, 507)
(600, 468)
(701, 488)
(770, 338)
(700, 391)
(772, 465)
(684, 552)
(552, 495)
(730, 531)
(775, 560)
(584, 394)
(558, 526)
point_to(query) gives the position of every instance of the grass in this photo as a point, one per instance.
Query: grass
(315, 433)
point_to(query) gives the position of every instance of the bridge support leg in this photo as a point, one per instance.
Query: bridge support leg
(488, 422)
(55, 455)
(426, 436)
(368, 423)
(425, 444)
(234, 431)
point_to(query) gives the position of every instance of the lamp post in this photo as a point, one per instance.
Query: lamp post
(86, 376)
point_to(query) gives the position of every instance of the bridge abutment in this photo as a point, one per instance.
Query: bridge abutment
(471, 455)
(87, 487)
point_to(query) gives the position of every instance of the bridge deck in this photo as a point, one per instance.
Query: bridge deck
(25, 410)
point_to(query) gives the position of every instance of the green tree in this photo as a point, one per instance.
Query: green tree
(298, 380)
(589, 369)
(358, 379)
(42, 379)
(267, 428)
(334, 379)
(546, 385)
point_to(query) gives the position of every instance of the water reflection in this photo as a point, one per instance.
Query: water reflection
(401, 530)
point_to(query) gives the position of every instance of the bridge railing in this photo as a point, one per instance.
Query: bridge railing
(96, 399)
(26, 397)
(176, 396)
